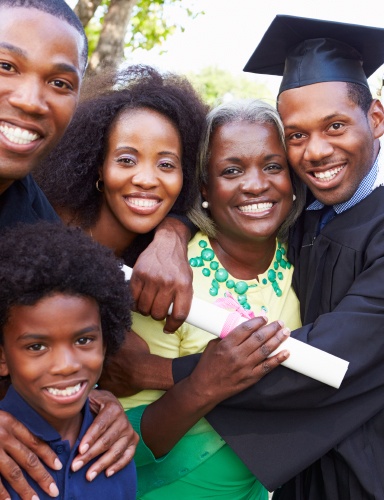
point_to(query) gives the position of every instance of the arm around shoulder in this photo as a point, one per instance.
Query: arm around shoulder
(162, 275)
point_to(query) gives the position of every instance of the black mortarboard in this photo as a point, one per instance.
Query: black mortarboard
(306, 51)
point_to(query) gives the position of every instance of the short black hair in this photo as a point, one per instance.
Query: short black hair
(360, 95)
(57, 8)
(39, 260)
(68, 175)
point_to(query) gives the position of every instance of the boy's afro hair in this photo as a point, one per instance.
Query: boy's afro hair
(38, 260)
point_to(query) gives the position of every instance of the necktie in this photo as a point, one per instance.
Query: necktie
(327, 214)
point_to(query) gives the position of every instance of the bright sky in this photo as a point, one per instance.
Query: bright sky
(229, 31)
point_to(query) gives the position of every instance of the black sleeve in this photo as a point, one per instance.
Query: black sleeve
(287, 411)
(184, 366)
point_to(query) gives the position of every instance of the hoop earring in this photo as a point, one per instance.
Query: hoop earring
(205, 204)
(294, 197)
(100, 189)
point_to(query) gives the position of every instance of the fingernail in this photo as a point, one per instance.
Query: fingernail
(53, 490)
(109, 473)
(84, 448)
(286, 332)
(166, 331)
(57, 464)
(92, 476)
(77, 465)
(35, 497)
(265, 318)
(281, 323)
(283, 355)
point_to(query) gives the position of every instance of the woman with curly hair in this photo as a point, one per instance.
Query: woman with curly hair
(127, 158)
(64, 305)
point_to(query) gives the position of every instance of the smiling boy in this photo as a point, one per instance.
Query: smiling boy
(58, 318)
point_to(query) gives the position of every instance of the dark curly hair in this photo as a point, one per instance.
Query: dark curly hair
(38, 260)
(69, 174)
(57, 8)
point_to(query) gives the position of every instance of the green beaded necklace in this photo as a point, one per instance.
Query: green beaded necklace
(240, 287)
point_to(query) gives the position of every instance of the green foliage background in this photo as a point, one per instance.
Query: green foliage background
(216, 84)
(148, 25)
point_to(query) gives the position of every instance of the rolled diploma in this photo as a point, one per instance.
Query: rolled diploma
(303, 358)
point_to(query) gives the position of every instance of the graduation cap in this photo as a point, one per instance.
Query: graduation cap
(306, 51)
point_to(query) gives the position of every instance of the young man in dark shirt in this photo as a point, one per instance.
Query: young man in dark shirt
(43, 56)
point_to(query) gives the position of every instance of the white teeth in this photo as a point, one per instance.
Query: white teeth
(142, 202)
(256, 207)
(329, 174)
(18, 135)
(68, 391)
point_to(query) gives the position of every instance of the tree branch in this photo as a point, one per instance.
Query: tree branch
(85, 10)
(110, 48)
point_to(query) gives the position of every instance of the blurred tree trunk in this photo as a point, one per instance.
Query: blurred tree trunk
(107, 32)
(85, 10)
(110, 48)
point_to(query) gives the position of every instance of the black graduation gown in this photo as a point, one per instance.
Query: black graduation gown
(330, 441)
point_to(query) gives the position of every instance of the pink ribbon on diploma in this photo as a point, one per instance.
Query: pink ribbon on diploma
(235, 317)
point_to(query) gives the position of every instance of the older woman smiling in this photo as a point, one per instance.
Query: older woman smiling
(250, 198)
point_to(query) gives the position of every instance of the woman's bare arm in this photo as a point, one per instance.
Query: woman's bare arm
(226, 367)
(133, 368)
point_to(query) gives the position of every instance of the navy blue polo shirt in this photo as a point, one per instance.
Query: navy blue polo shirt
(72, 485)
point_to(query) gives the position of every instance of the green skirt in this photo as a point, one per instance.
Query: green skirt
(222, 476)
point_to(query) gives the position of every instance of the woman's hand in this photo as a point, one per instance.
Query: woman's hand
(240, 360)
(110, 434)
(225, 368)
(19, 449)
(133, 368)
(162, 276)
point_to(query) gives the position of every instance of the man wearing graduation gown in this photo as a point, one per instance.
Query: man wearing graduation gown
(301, 438)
